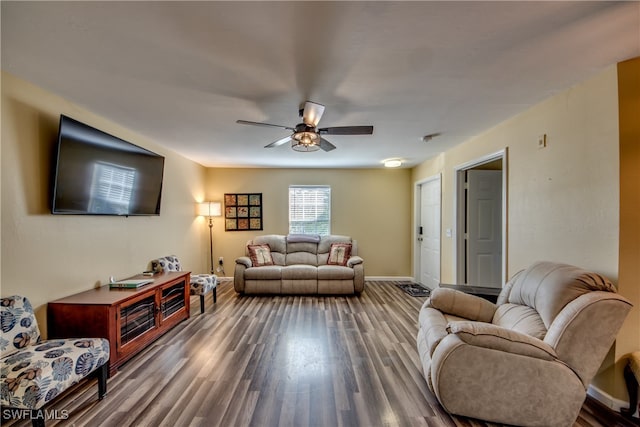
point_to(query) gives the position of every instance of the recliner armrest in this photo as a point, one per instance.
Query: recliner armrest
(495, 337)
(459, 304)
(244, 260)
(354, 260)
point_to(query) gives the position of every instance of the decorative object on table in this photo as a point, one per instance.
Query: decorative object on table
(210, 209)
(130, 283)
(242, 211)
(414, 289)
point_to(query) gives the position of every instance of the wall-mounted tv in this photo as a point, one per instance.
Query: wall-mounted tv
(98, 174)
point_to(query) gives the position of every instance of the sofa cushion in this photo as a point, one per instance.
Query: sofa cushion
(260, 255)
(548, 287)
(307, 258)
(520, 318)
(335, 272)
(326, 241)
(339, 254)
(267, 272)
(299, 272)
(309, 247)
(34, 376)
(276, 242)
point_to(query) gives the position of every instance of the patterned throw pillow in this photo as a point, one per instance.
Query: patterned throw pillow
(339, 253)
(260, 255)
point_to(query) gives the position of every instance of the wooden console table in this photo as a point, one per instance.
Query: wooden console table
(129, 318)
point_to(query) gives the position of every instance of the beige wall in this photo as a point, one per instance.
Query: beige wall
(46, 256)
(370, 205)
(563, 200)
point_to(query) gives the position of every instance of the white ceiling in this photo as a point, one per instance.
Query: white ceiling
(182, 73)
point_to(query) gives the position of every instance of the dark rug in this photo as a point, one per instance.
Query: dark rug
(414, 289)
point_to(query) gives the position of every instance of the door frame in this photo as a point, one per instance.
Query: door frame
(417, 212)
(459, 217)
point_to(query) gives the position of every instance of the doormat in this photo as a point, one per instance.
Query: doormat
(414, 289)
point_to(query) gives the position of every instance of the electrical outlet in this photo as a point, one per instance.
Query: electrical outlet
(220, 260)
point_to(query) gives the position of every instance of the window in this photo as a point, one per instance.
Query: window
(310, 209)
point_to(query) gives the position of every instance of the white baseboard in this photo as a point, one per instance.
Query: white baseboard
(607, 400)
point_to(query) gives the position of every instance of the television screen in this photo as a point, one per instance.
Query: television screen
(99, 174)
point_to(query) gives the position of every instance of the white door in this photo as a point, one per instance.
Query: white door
(429, 239)
(484, 228)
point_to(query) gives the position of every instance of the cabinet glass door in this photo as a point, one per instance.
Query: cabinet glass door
(172, 300)
(136, 319)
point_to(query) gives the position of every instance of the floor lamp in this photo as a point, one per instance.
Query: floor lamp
(210, 209)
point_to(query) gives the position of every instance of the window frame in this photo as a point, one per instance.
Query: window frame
(318, 226)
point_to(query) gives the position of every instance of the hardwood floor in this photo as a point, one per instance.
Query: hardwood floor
(281, 361)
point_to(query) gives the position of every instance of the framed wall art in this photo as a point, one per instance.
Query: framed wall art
(242, 211)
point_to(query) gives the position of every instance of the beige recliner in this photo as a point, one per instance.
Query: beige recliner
(528, 359)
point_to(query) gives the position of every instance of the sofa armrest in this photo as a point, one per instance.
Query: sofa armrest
(242, 264)
(354, 260)
(498, 338)
(459, 304)
(244, 260)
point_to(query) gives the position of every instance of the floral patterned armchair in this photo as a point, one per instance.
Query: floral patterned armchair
(33, 372)
(200, 283)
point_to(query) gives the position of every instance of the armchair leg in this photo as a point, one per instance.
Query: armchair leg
(215, 294)
(632, 388)
(37, 422)
(103, 372)
(201, 304)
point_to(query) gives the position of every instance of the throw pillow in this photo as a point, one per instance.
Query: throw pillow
(260, 255)
(339, 253)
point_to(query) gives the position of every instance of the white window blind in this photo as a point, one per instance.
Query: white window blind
(310, 209)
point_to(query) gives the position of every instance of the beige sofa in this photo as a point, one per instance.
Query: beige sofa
(300, 266)
(528, 359)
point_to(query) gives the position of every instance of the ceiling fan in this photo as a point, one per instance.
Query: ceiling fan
(306, 136)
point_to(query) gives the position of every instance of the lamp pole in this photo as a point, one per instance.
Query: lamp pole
(211, 243)
(209, 210)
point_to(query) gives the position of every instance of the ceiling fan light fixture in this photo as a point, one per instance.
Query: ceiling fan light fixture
(306, 136)
(305, 141)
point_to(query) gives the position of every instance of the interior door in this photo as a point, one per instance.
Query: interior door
(429, 239)
(484, 228)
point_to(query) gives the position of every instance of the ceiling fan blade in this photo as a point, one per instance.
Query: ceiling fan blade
(247, 122)
(279, 142)
(326, 145)
(312, 113)
(347, 130)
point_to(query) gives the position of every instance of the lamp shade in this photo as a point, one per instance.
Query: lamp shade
(210, 209)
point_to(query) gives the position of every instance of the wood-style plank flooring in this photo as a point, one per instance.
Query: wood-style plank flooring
(281, 361)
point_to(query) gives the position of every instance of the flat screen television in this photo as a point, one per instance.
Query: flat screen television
(98, 174)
